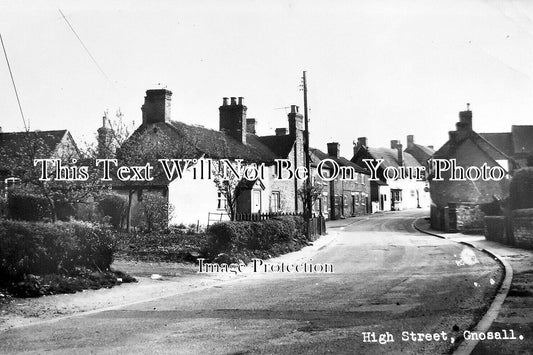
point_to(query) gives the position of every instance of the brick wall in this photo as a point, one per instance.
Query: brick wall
(523, 228)
(495, 229)
(444, 192)
(469, 218)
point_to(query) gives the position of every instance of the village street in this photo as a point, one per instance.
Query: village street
(387, 278)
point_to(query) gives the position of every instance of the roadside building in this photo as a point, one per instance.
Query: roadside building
(348, 194)
(455, 204)
(198, 200)
(392, 194)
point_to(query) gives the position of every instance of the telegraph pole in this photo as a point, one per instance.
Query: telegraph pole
(308, 202)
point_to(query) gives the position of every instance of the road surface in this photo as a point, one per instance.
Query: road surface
(387, 279)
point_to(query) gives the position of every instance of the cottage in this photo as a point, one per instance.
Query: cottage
(199, 200)
(396, 192)
(18, 149)
(455, 204)
(345, 185)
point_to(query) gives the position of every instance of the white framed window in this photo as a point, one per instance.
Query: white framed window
(222, 203)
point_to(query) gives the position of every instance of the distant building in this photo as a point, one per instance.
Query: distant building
(195, 199)
(341, 198)
(455, 204)
(18, 149)
(398, 194)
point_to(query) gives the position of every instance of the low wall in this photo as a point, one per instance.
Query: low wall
(495, 229)
(468, 217)
(522, 221)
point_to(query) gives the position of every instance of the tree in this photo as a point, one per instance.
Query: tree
(19, 161)
(230, 188)
(314, 192)
(146, 145)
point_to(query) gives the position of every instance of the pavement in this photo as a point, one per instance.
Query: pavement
(388, 279)
(515, 311)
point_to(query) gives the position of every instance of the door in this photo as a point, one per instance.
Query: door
(256, 201)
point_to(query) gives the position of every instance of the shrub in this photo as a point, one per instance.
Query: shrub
(154, 211)
(243, 240)
(521, 190)
(114, 206)
(22, 205)
(40, 248)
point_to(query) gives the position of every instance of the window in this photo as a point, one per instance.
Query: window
(12, 182)
(221, 201)
(275, 201)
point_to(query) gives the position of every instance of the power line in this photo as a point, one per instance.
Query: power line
(84, 46)
(26, 127)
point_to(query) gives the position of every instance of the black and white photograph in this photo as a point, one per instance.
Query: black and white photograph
(252, 177)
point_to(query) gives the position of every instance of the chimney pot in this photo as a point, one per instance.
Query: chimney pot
(250, 125)
(362, 141)
(241, 99)
(399, 147)
(410, 140)
(394, 144)
(233, 120)
(294, 109)
(334, 149)
(156, 106)
(224, 101)
(281, 131)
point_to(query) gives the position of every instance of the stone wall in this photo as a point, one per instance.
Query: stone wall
(523, 228)
(469, 217)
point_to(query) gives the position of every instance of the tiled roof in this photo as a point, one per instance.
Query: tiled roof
(448, 150)
(503, 141)
(11, 143)
(317, 155)
(215, 144)
(390, 157)
(522, 139)
(420, 152)
(280, 145)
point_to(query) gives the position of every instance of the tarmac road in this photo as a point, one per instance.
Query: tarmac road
(387, 278)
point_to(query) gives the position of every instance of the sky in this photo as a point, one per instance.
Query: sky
(379, 69)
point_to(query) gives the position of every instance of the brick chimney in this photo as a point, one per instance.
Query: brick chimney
(250, 125)
(334, 149)
(463, 128)
(410, 141)
(395, 144)
(281, 131)
(233, 118)
(296, 121)
(107, 146)
(156, 106)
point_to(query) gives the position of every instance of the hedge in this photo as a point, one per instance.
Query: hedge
(31, 248)
(27, 206)
(521, 189)
(244, 240)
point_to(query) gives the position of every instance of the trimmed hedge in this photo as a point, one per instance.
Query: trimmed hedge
(246, 240)
(26, 206)
(521, 189)
(28, 248)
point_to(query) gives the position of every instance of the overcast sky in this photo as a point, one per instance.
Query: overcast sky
(380, 69)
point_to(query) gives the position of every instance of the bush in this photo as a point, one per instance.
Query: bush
(22, 205)
(39, 248)
(245, 240)
(521, 190)
(153, 212)
(114, 206)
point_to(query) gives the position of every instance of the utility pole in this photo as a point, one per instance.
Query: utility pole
(308, 202)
